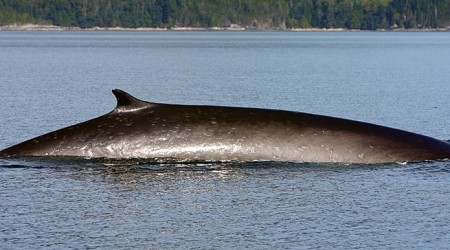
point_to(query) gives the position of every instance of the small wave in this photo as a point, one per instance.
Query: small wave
(20, 164)
(180, 165)
(431, 167)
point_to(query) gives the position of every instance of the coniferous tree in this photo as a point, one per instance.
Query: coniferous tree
(353, 14)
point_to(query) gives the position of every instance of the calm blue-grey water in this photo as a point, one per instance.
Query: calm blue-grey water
(50, 80)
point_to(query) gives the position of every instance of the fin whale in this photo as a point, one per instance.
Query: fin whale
(154, 131)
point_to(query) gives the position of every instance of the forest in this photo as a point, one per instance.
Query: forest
(251, 14)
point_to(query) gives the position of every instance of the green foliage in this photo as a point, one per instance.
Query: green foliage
(264, 14)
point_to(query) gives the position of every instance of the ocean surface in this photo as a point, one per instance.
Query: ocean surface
(50, 80)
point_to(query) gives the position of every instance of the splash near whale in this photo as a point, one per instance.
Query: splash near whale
(137, 129)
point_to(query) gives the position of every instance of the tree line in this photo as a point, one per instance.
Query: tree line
(257, 14)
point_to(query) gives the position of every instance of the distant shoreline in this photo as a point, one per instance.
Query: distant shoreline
(43, 27)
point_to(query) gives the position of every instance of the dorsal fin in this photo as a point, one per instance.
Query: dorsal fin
(127, 102)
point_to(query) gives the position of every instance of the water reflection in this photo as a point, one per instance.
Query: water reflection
(167, 204)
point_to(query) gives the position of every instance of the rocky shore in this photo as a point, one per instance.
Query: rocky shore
(233, 27)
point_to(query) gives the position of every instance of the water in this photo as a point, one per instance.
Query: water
(49, 80)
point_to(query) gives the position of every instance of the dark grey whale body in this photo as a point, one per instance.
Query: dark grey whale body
(145, 130)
